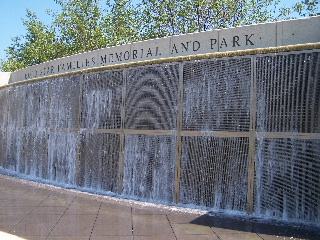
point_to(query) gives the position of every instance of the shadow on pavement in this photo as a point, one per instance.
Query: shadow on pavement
(258, 225)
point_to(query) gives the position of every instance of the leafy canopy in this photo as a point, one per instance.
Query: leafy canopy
(84, 25)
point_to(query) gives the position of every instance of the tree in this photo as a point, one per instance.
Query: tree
(306, 8)
(164, 18)
(122, 23)
(80, 26)
(168, 17)
(39, 45)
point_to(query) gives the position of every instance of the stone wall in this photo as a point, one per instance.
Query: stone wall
(257, 36)
(4, 78)
(238, 131)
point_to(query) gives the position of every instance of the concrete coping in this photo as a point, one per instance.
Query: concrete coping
(4, 78)
(236, 39)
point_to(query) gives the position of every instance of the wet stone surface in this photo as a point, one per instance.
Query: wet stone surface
(36, 211)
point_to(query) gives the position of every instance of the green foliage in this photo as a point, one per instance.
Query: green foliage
(84, 25)
(121, 23)
(37, 46)
(79, 26)
(306, 8)
(163, 17)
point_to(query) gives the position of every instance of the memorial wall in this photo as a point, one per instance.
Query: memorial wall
(225, 120)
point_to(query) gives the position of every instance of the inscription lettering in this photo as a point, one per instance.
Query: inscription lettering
(134, 54)
(235, 41)
(149, 53)
(185, 47)
(104, 60)
(61, 67)
(196, 46)
(248, 39)
(174, 47)
(223, 43)
(119, 57)
(213, 42)
(192, 46)
(126, 55)
(69, 66)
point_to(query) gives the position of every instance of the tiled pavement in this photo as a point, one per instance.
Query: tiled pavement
(34, 211)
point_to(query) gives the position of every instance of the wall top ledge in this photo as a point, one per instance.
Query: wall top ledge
(274, 34)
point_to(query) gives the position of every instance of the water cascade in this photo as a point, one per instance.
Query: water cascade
(239, 132)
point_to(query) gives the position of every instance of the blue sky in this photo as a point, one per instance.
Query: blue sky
(12, 11)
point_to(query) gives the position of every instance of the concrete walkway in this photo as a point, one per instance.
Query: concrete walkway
(35, 211)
